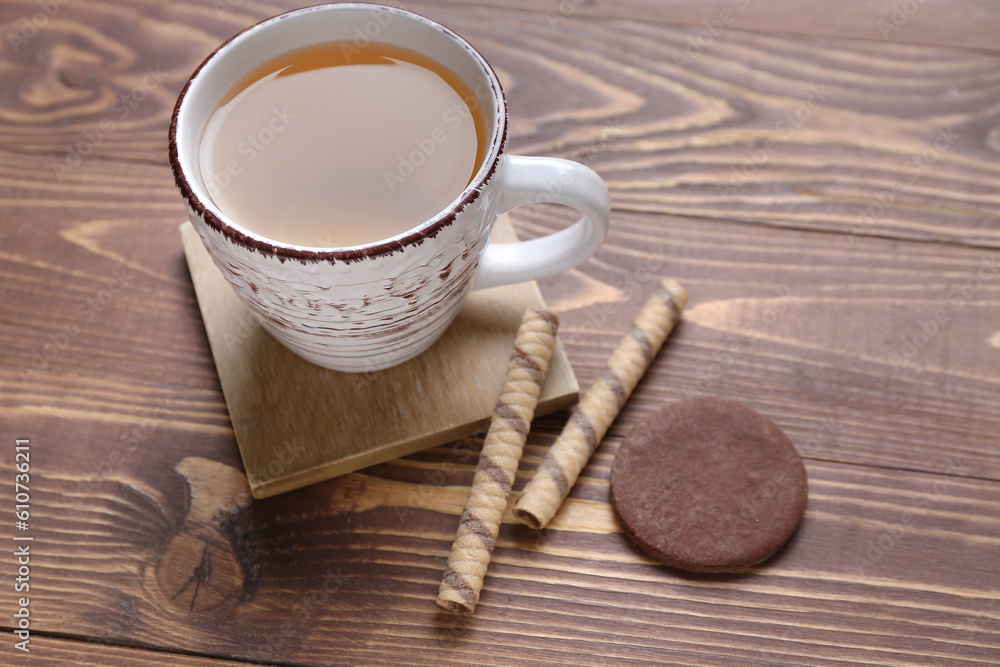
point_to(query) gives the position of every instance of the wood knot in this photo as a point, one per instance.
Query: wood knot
(209, 562)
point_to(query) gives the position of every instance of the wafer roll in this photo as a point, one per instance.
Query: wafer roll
(501, 453)
(601, 404)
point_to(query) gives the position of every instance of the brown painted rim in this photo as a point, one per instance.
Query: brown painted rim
(416, 235)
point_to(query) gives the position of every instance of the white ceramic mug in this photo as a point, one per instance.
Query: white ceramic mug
(368, 307)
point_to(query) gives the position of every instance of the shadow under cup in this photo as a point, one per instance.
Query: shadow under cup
(358, 308)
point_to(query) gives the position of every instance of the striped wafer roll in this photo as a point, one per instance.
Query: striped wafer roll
(501, 453)
(598, 408)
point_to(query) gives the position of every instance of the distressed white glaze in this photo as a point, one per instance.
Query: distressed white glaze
(369, 307)
(362, 315)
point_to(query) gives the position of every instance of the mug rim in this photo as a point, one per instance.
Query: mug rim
(413, 236)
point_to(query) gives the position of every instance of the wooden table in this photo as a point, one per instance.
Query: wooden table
(824, 178)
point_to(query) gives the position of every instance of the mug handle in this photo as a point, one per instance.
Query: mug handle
(535, 180)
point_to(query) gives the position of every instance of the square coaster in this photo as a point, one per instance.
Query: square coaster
(297, 423)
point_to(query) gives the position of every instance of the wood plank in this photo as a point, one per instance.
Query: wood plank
(888, 567)
(855, 137)
(934, 22)
(67, 651)
(878, 352)
(847, 348)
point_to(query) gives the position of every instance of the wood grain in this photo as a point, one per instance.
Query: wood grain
(937, 22)
(764, 129)
(61, 651)
(872, 343)
(353, 564)
(864, 138)
(864, 351)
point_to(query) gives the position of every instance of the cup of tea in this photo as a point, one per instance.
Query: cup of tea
(344, 164)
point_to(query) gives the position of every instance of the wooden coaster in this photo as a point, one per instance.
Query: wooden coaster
(297, 423)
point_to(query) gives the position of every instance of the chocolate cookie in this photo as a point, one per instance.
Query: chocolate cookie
(708, 485)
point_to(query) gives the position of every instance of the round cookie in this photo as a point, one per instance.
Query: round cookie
(708, 485)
